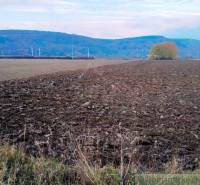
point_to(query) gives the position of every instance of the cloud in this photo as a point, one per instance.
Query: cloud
(110, 18)
(43, 6)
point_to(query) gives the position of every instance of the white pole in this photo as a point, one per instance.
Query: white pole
(72, 48)
(39, 52)
(136, 52)
(72, 52)
(88, 52)
(32, 51)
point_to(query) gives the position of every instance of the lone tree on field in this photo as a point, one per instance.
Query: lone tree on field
(164, 51)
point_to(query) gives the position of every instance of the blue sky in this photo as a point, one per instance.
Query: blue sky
(105, 18)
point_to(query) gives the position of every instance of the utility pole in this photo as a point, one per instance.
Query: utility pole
(72, 52)
(199, 53)
(39, 52)
(72, 47)
(32, 51)
(88, 53)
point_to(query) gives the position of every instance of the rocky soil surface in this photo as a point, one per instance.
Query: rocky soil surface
(147, 111)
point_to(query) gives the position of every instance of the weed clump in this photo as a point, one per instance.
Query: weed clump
(16, 168)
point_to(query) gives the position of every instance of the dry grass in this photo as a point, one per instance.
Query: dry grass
(16, 168)
(89, 174)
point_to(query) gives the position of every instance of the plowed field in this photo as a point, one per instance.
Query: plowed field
(148, 110)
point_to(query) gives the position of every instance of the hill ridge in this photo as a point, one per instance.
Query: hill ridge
(19, 43)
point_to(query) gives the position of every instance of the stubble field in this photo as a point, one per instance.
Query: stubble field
(23, 68)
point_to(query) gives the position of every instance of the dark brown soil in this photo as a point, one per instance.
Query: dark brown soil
(149, 109)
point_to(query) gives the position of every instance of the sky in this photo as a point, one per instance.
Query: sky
(105, 18)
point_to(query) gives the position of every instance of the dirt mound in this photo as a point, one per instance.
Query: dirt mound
(148, 110)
